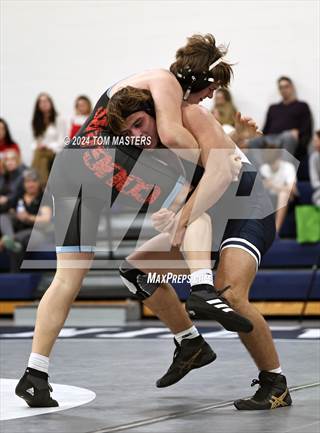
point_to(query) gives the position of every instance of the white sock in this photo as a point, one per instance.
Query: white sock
(39, 362)
(276, 370)
(202, 276)
(187, 334)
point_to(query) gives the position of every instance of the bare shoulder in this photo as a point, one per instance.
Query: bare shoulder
(165, 78)
(197, 112)
(152, 80)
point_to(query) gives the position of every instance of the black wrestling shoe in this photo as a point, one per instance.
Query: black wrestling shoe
(35, 389)
(272, 393)
(207, 303)
(193, 353)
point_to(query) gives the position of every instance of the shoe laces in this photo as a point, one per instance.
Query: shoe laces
(177, 349)
(219, 292)
(263, 391)
(211, 289)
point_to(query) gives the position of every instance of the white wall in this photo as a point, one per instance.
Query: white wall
(72, 47)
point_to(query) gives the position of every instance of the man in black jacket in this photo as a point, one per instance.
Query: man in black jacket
(288, 123)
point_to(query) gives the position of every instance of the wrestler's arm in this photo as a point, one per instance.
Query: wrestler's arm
(167, 95)
(217, 151)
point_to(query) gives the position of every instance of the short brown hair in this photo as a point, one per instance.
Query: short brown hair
(198, 54)
(284, 78)
(127, 101)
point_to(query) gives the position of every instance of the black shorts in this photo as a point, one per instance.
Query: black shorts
(244, 217)
(87, 179)
(247, 198)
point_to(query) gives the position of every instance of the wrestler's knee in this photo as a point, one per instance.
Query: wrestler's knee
(70, 278)
(234, 294)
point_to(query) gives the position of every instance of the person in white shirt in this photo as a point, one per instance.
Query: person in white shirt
(49, 131)
(280, 180)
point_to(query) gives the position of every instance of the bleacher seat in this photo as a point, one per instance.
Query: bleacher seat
(4, 261)
(287, 285)
(288, 253)
(18, 286)
(288, 229)
(305, 192)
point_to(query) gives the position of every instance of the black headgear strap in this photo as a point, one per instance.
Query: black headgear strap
(192, 82)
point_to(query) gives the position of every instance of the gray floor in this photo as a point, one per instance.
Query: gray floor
(122, 374)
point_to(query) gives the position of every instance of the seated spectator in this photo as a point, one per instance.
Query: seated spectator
(49, 131)
(82, 110)
(314, 169)
(224, 109)
(6, 141)
(11, 180)
(280, 180)
(288, 123)
(31, 215)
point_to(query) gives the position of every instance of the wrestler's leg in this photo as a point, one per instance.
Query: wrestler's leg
(55, 304)
(157, 255)
(168, 308)
(204, 301)
(191, 349)
(158, 250)
(197, 244)
(51, 315)
(237, 269)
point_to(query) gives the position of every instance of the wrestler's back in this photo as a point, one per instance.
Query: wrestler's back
(143, 80)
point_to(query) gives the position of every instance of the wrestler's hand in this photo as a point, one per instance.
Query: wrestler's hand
(163, 220)
(166, 221)
(246, 127)
(176, 233)
(236, 165)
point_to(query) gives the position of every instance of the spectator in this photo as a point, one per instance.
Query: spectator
(224, 109)
(82, 110)
(6, 141)
(288, 123)
(32, 215)
(280, 179)
(49, 131)
(314, 168)
(11, 180)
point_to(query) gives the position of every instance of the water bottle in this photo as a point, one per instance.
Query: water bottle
(20, 206)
